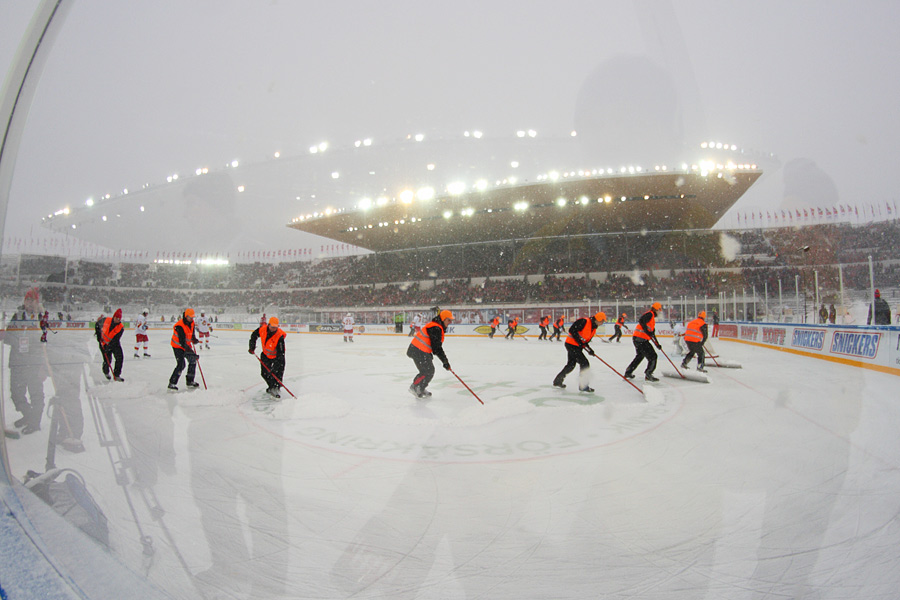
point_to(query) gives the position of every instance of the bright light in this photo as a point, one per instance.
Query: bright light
(574, 133)
(430, 166)
(481, 185)
(419, 137)
(277, 154)
(477, 134)
(584, 199)
(520, 206)
(456, 188)
(234, 163)
(532, 133)
(468, 212)
(553, 175)
(448, 214)
(365, 204)
(103, 218)
(406, 196)
(382, 200)
(323, 146)
(512, 180)
(357, 143)
(313, 150)
(240, 188)
(125, 191)
(425, 193)
(335, 175)
(367, 142)
(514, 164)
(89, 202)
(607, 199)
(142, 209)
(560, 201)
(520, 134)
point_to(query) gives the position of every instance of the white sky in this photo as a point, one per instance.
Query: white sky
(133, 92)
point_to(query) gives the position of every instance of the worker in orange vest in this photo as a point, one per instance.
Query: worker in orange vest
(271, 338)
(183, 340)
(580, 334)
(110, 345)
(558, 327)
(495, 322)
(544, 322)
(428, 343)
(511, 328)
(620, 323)
(695, 336)
(644, 334)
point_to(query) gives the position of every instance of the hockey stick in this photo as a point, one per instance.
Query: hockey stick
(281, 383)
(467, 387)
(628, 381)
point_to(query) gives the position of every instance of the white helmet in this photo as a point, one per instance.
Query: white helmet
(145, 311)
(349, 315)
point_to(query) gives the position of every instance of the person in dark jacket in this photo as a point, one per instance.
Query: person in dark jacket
(183, 340)
(428, 343)
(882, 311)
(271, 339)
(109, 334)
(644, 334)
(580, 334)
(620, 323)
(695, 336)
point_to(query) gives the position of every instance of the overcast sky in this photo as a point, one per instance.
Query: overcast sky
(135, 91)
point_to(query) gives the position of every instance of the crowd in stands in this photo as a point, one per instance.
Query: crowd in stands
(623, 266)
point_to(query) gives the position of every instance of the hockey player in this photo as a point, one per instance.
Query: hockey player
(183, 340)
(558, 326)
(427, 344)
(695, 337)
(543, 324)
(111, 345)
(271, 338)
(416, 325)
(580, 334)
(644, 334)
(495, 323)
(203, 330)
(620, 323)
(348, 327)
(678, 332)
(140, 334)
(45, 324)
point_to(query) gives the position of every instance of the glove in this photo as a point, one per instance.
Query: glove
(252, 351)
(446, 365)
(590, 350)
(658, 345)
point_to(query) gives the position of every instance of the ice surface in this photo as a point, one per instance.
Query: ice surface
(779, 479)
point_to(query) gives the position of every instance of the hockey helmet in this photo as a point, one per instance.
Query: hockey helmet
(145, 311)
(600, 317)
(656, 306)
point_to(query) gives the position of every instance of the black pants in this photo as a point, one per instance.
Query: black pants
(493, 331)
(644, 349)
(424, 363)
(180, 357)
(695, 348)
(28, 379)
(275, 369)
(576, 357)
(556, 332)
(510, 332)
(112, 355)
(617, 335)
(543, 335)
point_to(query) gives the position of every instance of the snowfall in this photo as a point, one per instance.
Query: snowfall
(780, 479)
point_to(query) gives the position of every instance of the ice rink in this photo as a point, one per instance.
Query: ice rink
(777, 480)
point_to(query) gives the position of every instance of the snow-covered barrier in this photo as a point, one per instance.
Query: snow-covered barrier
(876, 347)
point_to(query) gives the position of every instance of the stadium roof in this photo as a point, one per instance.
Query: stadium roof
(571, 206)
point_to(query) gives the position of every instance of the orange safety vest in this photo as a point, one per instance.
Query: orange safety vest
(620, 321)
(545, 321)
(109, 332)
(560, 322)
(639, 329)
(422, 340)
(495, 322)
(693, 333)
(188, 334)
(586, 333)
(268, 342)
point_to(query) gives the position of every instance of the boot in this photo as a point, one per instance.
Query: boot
(192, 384)
(650, 377)
(118, 378)
(558, 382)
(684, 365)
(172, 386)
(136, 355)
(586, 388)
(629, 375)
